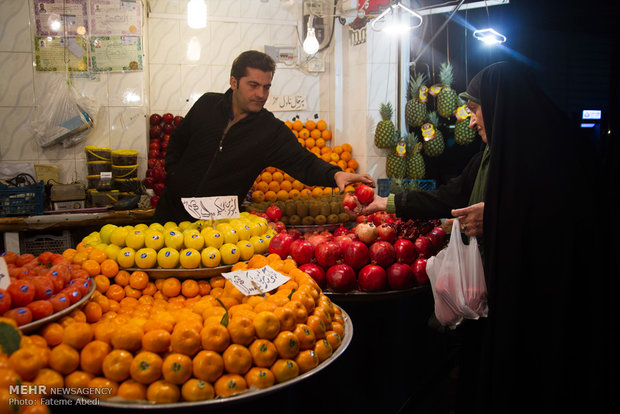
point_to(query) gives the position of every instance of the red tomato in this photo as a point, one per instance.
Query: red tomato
(59, 274)
(73, 293)
(5, 301)
(43, 286)
(45, 258)
(9, 257)
(22, 292)
(59, 302)
(24, 258)
(79, 274)
(40, 309)
(364, 194)
(21, 316)
(82, 284)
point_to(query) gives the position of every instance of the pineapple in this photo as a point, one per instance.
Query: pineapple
(435, 146)
(447, 99)
(384, 133)
(397, 186)
(415, 110)
(414, 185)
(415, 160)
(396, 162)
(463, 135)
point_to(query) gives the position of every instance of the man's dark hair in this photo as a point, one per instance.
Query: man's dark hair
(252, 59)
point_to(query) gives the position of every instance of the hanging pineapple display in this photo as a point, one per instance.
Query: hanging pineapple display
(447, 98)
(396, 161)
(433, 138)
(384, 133)
(463, 135)
(416, 168)
(415, 109)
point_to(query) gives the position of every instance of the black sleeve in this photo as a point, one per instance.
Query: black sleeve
(288, 155)
(438, 203)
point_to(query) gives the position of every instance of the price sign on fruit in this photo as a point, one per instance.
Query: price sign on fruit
(5, 280)
(212, 208)
(256, 281)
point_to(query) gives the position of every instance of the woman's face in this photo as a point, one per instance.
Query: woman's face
(475, 120)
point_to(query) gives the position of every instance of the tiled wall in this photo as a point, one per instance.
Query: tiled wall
(173, 79)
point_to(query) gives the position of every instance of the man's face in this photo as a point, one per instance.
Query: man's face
(475, 120)
(250, 93)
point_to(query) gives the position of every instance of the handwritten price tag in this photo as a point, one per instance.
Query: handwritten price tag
(256, 281)
(212, 208)
(5, 280)
(286, 103)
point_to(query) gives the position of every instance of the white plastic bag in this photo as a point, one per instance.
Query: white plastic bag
(457, 280)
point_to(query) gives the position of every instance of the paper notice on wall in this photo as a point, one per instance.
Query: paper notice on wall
(212, 208)
(279, 103)
(256, 281)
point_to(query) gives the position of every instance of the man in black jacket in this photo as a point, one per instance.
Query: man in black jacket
(226, 140)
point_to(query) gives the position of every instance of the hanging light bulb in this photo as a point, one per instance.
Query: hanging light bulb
(311, 44)
(197, 14)
(398, 25)
(489, 36)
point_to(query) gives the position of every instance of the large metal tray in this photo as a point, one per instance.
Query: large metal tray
(198, 273)
(361, 296)
(116, 402)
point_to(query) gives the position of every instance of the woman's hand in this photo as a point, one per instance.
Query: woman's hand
(378, 204)
(344, 178)
(470, 218)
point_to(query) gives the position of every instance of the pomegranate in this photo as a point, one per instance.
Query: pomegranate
(381, 217)
(316, 272)
(387, 232)
(372, 278)
(340, 278)
(424, 246)
(419, 271)
(438, 237)
(382, 253)
(356, 255)
(366, 232)
(343, 241)
(405, 251)
(341, 231)
(364, 194)
(295, 233)
(349, 201)
(302, 251)
(281, 244)
(316, 239)
(400, 276)
(273, 212)
(327, 253)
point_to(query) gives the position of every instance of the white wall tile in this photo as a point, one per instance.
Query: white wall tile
(95, 88)
(225, 43)
(164, 41)
(168, 6)
(128, 129)
(16, 81)
(165, 87)
(254, 36)
(15, 26)
(16, 137)
(220, 78)
(224, 8)
(126, 89)
(195, 81)
(194, 45)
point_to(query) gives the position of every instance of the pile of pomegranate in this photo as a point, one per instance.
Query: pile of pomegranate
(380, 253)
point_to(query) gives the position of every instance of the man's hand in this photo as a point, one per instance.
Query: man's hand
(470, 218)
(378, 204)
(344, 178)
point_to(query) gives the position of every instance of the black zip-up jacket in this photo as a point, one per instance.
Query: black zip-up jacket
(201, 161)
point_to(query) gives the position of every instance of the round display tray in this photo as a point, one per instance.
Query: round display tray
(360, 296)
(199, 273)
(250, 394)
(33, 326)
(315, 227)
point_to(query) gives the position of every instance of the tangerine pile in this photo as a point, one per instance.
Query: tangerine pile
(169, 340)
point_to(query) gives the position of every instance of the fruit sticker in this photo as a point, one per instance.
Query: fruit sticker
(462, 113)
(435, 89)
(401, 149)
(212, 208)
(423, 93)
(428, 131)
(256, 281)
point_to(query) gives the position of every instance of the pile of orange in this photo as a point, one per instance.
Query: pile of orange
(172, 340)
(273, 184)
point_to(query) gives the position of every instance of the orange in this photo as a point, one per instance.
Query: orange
(264, 352)
(80, 257)
(259, 377)
(258, 196)
(189, 288)
(284, 370)
(131, 390)
(116, 365)
(49, 379)
(274, 186)
(282, 195)
(177, 368)
(163, 392)
(266, 177)
(278, 176)
(297, 125)
(91, 266)
(321, 125)
(115, 292)
(323, 349)
(26, 362)
(307, 360)
(208, 365)
(287, 344)
(338, 328)
(78, 379)
(347, 147)
(287, 318)
(298, 185)
(102, 283)
(316, 324)
(286, 185)
(310, 142)
(306, 193)
(304, 134)
(310, 125)
(102, 388)
(338, 150)
(204, 287)
(103, 301)
(109, 268)
(77, 334)
(301, 141)
(93, 312)
(230, 384)
(146, 367)
(317, 192)
(92, 355)
(288, 124)
(326, 134)
(257, 261)
(63, 359)
(52, 333)
(69, 253)
(320, 142)
(197, 390)
(103, 331)
(171, 287)
(185, 340)
(156, 340)
(262, 186)
(342, 164)
(334, 339)
(127, 337)
(353, 164)
(271, 196)
(8, 377)
(241, 330)
(138, 279)
(315, 133)
(315, 150)
(237, 359)
(305, 298)
(299, 310)
(305, 335)
(266, 325)
(122, 278)
(346, 156)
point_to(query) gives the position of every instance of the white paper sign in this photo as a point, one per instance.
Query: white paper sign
(5, 280)
(256, 281)
(212, 208)
(279, 103)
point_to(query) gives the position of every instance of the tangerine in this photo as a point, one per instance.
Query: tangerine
(63, 359)
(307, 360)
(146, 367)
(284, 370)
(131, 390)
(197, 390)
(116, 365)
(92, 355)
(260, 377)
(163, 392)
(176, 368)
(230, 384)
(208, 365)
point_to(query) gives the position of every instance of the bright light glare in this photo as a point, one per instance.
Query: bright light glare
(193, 49)
(197, 14)
(311, 44)
(489, 36)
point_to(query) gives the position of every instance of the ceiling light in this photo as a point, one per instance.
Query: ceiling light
(197, 14)
(397, 27)
(311, 44)
(489, 36)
